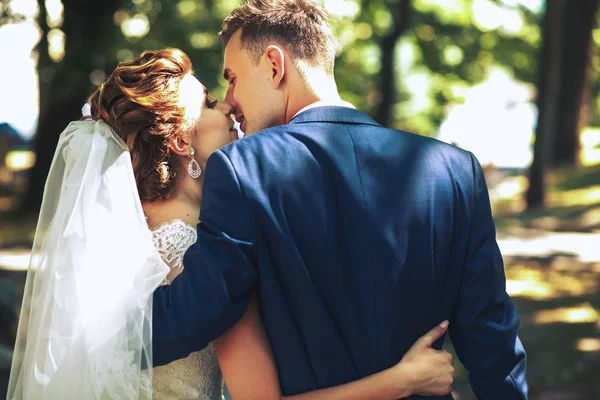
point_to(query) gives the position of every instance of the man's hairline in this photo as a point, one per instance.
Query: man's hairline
(299, 63)
(227, 70)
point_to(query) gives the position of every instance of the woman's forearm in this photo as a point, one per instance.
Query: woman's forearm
(384, 385)
(250, 373)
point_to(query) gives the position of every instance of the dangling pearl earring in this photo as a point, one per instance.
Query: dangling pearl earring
(193, 167)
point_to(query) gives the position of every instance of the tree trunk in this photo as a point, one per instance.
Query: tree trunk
(64, 87)
(563, 82)
(45, 65)
(550, 67)
(579, 19)
(387, 82)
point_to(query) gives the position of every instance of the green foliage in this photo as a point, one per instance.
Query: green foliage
(444, 50)
(457, 53)
(581, 178)
(190, 25)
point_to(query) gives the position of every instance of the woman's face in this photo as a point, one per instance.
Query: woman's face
(212, 124)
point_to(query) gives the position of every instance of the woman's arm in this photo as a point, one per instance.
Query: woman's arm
(249, 369)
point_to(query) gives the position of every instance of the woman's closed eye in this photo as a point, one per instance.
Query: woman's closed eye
(211, 104)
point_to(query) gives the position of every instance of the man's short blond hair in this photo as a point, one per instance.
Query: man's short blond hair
(300, 26)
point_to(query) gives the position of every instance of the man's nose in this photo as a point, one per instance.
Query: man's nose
(229, 97)
(225, 107)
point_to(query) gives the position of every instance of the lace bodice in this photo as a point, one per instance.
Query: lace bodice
(172, 239)
(197, 376)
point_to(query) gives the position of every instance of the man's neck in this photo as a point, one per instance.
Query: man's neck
(315, 86)
(294, 108)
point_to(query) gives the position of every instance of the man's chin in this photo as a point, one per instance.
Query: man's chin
(251, 130)
(247, 131)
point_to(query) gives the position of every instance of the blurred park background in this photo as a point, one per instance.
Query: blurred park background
(514, 81)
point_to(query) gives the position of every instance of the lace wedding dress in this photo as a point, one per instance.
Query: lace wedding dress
(198, 376)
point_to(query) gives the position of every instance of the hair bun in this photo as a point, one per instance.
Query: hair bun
(140, 101)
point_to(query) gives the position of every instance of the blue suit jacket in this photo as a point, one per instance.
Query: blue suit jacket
(359, 240)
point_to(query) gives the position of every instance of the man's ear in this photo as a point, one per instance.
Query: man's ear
(276, 63)
(180, 147)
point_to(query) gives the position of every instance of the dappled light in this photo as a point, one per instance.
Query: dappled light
(19, 77)
(24, 7)
(489, 16)
(573, 200)
(581, 314)
(202, 40)
(576, 247)
(20, 160)
(537, 283)
(97, 76)
(527, 286)
(55, 11)
(342, 8)
(15, 260)
(426, 33)
(585, 196)
(496, 121)
(590, 146)
(588, 345)
(510, 188)
(446, 10)
(187, 8)
(136, 26)
(453, 55)
(56, 44)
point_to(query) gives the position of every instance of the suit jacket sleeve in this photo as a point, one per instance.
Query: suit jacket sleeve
(484, 326)
(213, 291)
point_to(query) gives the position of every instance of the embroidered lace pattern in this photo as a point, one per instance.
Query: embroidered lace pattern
(120, 377)
(172, 239)
(197, 376)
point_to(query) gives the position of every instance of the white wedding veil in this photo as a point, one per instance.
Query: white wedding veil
(86, 318)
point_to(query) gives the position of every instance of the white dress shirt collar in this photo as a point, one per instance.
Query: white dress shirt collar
(322, 103)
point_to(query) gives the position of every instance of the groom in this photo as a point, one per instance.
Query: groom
(357, 238)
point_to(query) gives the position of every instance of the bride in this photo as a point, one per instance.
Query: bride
(120, 207)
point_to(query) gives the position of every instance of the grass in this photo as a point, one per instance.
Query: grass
(559, 329)
(573, 202)
(559, 296)
(577, 179)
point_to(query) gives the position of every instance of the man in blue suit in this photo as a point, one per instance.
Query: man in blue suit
(357, 238)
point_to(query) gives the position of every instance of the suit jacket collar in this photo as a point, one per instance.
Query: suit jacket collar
(333, 114)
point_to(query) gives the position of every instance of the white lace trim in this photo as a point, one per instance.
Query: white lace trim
(195, 377)
(171, 240)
